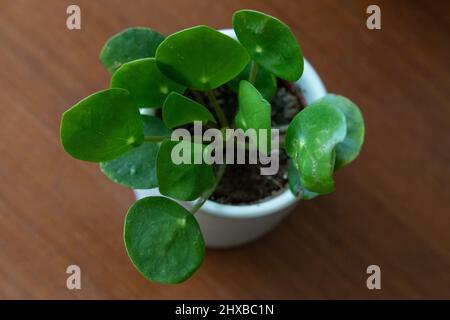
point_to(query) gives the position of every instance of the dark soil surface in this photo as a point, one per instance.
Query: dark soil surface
(243, 183)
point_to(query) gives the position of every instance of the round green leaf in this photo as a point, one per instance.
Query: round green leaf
(348, 150)
(265, 82)
(254, 111)
(148, 86)
(184, 181)
(270, 43)
(137, 168)
(311, 139)
(129, 45)
(163, 240)
(102, 126)
(295, 185)
(201, 58)
(179, 110)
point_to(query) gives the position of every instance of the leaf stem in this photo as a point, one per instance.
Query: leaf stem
(217, 109)
(155, 138)
(205, 196)
(253, 71)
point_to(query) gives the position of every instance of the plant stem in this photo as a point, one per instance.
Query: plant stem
(155, 138)
(197, 96)
(217, 109)
(209, 192)
(253, 71)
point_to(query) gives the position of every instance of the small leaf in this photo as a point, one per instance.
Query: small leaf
(137, 168)
(128, 45)
(184, 181)
(179, 110)
(295, 185)
(270, 43)
(201, 58)
(348, 150)
(102, 126)
(163, 240)
(148, 86)
(265, 82)
(254, 111)
(311, 139)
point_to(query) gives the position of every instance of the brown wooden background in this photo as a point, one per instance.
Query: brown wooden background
(391, 206)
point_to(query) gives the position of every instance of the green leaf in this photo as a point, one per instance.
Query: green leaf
(163, 240)
(348, 150)
(137, 168)
(201, 58)
(265, 82)
(179, 110)
(254, 111)
(128, 45)
(270, 43)
(148, 86)
(295, 185)
(102, 126)
(185, 181)
(311, 139)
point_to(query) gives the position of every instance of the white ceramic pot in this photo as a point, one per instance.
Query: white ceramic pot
(226, 226)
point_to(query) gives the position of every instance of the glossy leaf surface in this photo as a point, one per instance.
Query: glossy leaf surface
(128, 45)
(311, 141)
(254, 111)
(148, 86)
(270, 43)
(348, 150)
(295, 185)
(201, 58)
(179, 110)
(163, 240)
(137, 168)
(102, 126)
(184, 181)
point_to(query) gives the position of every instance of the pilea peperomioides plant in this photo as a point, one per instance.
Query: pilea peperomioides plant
(181, 74)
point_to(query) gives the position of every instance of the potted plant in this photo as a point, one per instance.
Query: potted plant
(203, 76)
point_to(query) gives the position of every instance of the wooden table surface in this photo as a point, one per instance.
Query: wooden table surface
(391, 207)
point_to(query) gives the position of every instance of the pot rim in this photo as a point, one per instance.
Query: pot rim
(314, 89)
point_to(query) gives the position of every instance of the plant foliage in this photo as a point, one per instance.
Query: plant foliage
(182, 73)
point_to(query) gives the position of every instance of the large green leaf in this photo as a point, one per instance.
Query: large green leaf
(137, 168)
(311, 141)
(148, 86)
(201, 58)
(184, 181)
(128, 45)
(270, 43)
(295, 185)
(348, 150)
(179, 110)
(163, 240)
(254, 111)
(265, 82)
(102, 126)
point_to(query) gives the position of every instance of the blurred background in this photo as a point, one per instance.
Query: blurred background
(391, 207)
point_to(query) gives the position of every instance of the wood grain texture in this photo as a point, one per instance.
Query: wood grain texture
(391, 206)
